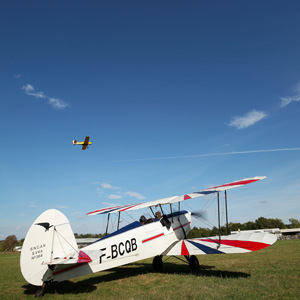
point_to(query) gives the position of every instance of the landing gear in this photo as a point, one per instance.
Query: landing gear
(157, 263)
(194, 264)
(40, 293)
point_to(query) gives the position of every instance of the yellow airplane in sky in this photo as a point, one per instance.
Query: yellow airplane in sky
(84, 144)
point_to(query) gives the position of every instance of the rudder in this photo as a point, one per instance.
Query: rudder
(49, 237)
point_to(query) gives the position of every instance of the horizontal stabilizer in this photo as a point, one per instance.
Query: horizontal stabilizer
(236, 243)
(76, 258)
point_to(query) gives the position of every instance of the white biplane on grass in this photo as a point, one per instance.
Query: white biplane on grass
(50, 253)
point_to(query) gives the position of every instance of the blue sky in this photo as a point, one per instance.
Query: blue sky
(159, 86)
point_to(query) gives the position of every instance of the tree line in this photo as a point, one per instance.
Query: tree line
(260, 223)
(11, 241)
(89, 235)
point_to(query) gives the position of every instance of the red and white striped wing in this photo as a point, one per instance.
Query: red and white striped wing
(175, 199)
(236, 243)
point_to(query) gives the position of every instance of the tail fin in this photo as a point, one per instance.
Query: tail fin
(50, 237)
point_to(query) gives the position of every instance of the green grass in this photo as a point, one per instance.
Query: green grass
(272, 273)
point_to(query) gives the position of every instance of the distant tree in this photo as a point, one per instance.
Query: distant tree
(88, 235)
(277, 223)
(204, 232)
(199, 232)
(193, 233)
(251, 225)
(20, 242)
(264, 223)
(237, 226)
(9, 243)
(294, 223)
(214, 231)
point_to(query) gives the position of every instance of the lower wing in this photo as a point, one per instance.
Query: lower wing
(236, 243)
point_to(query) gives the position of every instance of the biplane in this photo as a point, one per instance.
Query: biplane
(84, 144)
(50, 253)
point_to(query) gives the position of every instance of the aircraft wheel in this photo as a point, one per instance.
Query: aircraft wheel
(157, 263)
(194, 264)
(39, 293)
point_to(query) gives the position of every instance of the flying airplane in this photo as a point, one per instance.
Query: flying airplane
(84, 144)
(50, 253)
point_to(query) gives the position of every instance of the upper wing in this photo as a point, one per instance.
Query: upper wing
(174, 199)
(231, 185)
(236, 243)
(85, 143)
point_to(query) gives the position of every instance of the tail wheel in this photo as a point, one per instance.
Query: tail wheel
(194, 264)
(157, 263)
(39, 293)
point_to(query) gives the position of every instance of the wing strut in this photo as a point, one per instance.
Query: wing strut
(119, 220)
(226, 213)
(171, 211)
(161, 209)
(107, 225)
(152, 211)
(219, 219)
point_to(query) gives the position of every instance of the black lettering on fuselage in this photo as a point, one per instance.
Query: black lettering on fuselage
(114, 251)
(122, 248)
(103, 254)
(128, 246)
(133, 244)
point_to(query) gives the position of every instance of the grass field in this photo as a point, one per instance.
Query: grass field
(272, 273)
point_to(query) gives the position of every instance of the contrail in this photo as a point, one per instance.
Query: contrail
(209, 154)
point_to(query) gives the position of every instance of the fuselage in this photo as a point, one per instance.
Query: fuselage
(81, 143)
(131, 243)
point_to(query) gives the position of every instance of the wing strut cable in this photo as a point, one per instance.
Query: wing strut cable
(76, 250)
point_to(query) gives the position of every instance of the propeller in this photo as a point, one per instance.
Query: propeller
(200, 214)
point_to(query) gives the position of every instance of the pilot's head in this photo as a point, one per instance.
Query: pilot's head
(143, 219)
(158, 215)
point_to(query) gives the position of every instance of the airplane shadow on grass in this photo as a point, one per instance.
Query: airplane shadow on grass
(89, 285)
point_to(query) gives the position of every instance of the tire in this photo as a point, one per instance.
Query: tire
(157, 263)
(194, 264)
(39, 293)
